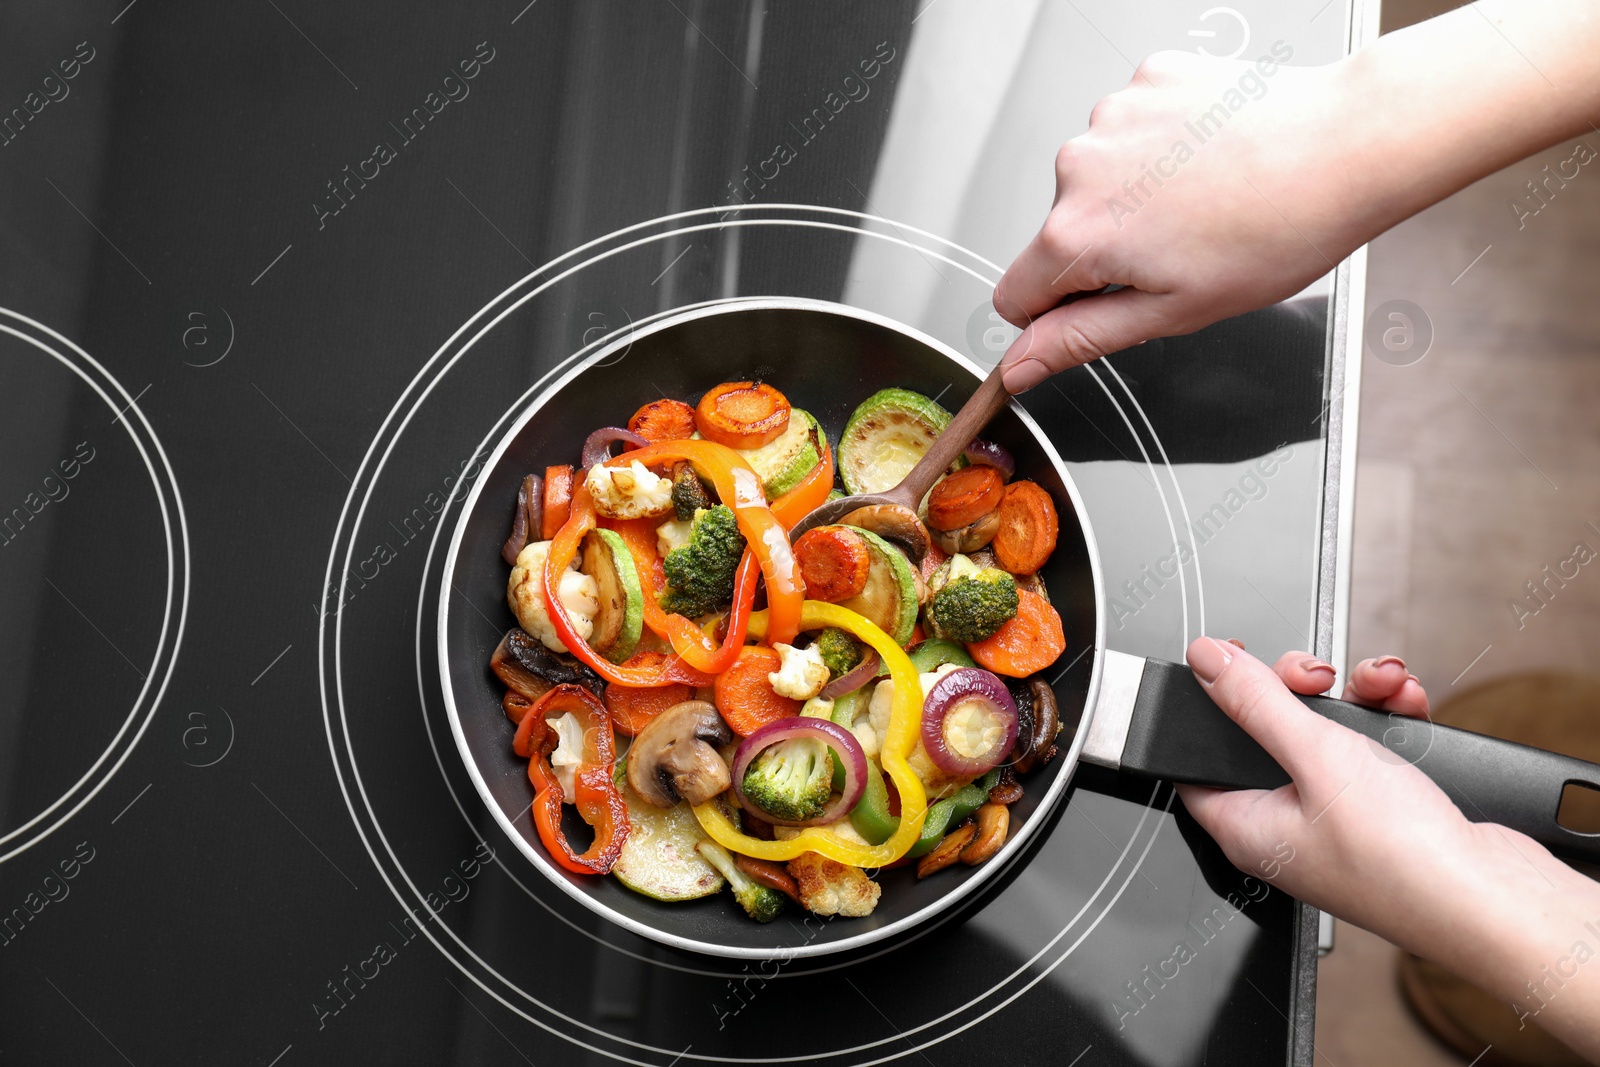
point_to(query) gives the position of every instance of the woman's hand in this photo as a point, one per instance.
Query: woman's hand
(1359, 823)
(1200, 212)
(1210, 187)
(1366, 835)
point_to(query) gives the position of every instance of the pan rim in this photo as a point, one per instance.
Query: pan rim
(979, 877)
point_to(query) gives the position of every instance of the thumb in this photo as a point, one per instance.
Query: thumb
(1086, 329)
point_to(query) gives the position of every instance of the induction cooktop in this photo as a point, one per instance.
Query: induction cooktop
(278, 275)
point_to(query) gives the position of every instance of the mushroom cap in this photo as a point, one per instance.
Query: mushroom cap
(675, 756)
(892, 522)
(969, 538)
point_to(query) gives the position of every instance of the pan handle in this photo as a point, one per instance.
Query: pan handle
(1178, 733)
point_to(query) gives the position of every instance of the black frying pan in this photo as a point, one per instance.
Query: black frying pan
(1145, 717)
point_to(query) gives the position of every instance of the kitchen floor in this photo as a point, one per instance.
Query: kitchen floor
(1475, 473)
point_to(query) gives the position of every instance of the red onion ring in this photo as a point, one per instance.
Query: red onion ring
(597, 446)
(530, 510)
(990, 454)
(843, 743)
(963, 686)
(855, 677)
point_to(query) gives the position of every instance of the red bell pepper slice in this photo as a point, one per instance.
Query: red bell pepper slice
(688, 640)
(597, 798)
(737, 486)
(562, 552)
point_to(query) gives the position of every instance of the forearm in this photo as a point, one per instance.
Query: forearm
(1526, 928)
(1437, 106)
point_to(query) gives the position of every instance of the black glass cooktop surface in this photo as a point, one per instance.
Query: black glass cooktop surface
(275, 273)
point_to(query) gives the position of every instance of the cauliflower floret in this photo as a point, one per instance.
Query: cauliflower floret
(867, 736)
(878, 711)
(936, 781)
(568, 754)
(673, 534)
(843, 829)
(828, 887)
(579, 594)
(882, 703)
(630, 492)
(801, 674)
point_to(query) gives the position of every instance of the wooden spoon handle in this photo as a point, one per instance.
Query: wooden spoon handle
(974, 415)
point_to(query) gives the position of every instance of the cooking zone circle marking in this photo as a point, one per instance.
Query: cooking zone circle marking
(175, 610)
(372, 468)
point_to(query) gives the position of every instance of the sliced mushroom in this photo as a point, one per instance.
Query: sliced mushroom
(675, 757)
(892, 522)
(1007, 790)
(985, 557)
(523, 663)
(1033, 584)
(971, 537)
(518, 678)
(1041, 740)
(947, 851)
(993, 822)
(1022, 696)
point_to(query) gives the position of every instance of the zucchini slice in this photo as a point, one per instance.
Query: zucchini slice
(935, 652)
(659, 859)
(620, 620)
(889, 598)
(886, 435)
(787, 458)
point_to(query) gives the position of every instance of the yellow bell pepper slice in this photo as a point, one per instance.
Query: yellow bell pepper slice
(905, 726)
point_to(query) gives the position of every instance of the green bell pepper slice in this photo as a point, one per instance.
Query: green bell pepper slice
(872, 820)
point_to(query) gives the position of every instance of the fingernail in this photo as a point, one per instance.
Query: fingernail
(1024, 375)
(1314, 664)
(1207, 657)
(1236, 643)
(1387, 661)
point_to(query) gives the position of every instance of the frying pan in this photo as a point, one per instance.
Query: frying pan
(1141, 716)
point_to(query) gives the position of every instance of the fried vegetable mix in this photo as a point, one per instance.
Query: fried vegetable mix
(854, 723)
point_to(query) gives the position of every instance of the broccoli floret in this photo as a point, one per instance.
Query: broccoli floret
(791, 780)
(700, 574)
(688, 492)
(840, 650)
(968, 602)
(759, 902)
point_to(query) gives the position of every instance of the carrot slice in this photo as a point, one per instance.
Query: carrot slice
(1028, 528)
(834, 562)
(1026, 644)
(746, 698)
(632, 709)
(742, 414)
(557, 500)
(965, 497)
(663, 420)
